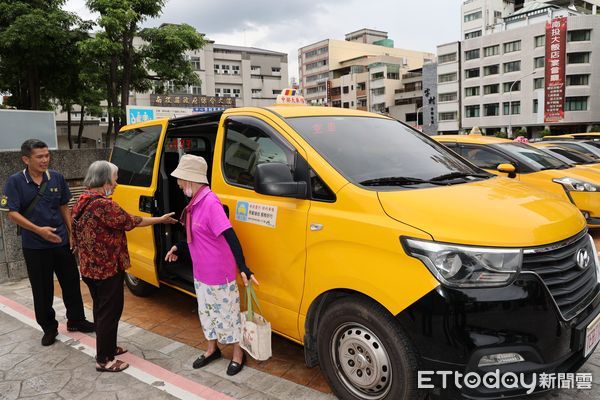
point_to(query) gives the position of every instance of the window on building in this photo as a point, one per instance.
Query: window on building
(578, 58)
(236, 92)
(578, 80)
(514, 107)
(377, 76)
(491, 51)
(224, 66)
(491, 70)
(472, 73)
(195, 61)
(196, 89)
(538, 83)
(472, 35)
(539, 41)
(512, 46)
(447, 116)
(472, 111)
(491, 89)
(516, 86)
(235, 69)
(445, 58)
(316, 52)
(316, 64)
(276, 70)
(256, 92)
(539, 62)
(491, 110)
(581, 35)
(451, 77)
(278, 91)
(472, 91)
(378, 91)
(579, 103)
(473, 16)
(346, 104)
(445, 97)
(472, 54)
(346, 90)
(226, 92)
(512, 66)
(535, 106)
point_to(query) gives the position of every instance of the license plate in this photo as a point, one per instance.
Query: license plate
(592, 335)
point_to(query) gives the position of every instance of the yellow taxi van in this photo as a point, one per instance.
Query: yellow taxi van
(532, 166)
(379, 250)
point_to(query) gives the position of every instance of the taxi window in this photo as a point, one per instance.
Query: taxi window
(134, 154)
(249, 144)
(482, 157)
(319, 189)
(534, 158)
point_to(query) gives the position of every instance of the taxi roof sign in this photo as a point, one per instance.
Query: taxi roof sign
(290, 97)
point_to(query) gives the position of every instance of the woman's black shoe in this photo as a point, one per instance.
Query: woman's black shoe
(203, 361)
(233, 367)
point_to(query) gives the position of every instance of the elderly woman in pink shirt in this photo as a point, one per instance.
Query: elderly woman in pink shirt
(216, 255)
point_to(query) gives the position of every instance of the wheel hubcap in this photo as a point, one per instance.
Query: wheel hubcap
(132, 279)
(363, 365)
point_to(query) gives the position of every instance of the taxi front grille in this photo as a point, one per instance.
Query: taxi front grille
(572, 287)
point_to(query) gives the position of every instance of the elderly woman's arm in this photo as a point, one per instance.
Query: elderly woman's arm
(165, 219)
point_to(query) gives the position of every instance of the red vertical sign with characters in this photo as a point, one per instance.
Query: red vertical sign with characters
(556, 46)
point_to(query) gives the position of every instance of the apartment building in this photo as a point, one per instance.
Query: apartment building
(503, 74)
(360, 72)
(253, 76)
(480, 16)
(449, 87)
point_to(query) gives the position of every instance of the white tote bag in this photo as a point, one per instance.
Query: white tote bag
(256, 331)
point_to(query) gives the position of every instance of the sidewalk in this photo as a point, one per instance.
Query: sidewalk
(160, 367)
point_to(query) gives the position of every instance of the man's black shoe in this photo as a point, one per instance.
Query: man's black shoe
(203, 361)
(49, 338)
(81, 326)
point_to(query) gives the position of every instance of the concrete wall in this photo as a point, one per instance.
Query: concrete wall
(72, 164)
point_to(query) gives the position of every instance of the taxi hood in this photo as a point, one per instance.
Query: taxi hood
(494, 212)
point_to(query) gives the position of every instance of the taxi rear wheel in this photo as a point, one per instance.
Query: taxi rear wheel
(138, 286)
(364, 354)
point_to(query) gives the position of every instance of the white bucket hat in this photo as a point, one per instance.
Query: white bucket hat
(191, 168)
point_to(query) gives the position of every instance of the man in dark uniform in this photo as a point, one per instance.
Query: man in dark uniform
(36, 200)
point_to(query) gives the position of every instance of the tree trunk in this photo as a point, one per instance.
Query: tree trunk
(69, 125)
(114, 89)
(127, 68)
(33, 85)
(80, 132)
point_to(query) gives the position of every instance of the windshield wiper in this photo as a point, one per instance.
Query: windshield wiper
(456, 175)
(397, 181)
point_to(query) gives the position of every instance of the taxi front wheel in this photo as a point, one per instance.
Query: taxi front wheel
(138, 286)
(364, 353)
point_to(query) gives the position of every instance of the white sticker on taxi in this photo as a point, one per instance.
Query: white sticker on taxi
(256, 213)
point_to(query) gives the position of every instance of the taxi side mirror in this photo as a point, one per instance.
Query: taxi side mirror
(508, 169)
(275, 179)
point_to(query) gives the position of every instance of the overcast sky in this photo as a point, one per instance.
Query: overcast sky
(287, 25)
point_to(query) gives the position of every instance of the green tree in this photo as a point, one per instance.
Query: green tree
(33, 35)
(128, 65)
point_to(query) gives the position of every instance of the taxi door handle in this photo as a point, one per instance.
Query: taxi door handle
(316, 227)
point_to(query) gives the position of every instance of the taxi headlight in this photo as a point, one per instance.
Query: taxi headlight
(576, 185)
(466, 266)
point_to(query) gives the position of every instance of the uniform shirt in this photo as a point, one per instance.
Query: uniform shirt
(99, 235)
(20, 190)
(211, 255)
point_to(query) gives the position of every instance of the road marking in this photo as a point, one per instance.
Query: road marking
(139, 368)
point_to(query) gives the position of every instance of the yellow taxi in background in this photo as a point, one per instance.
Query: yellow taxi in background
(532, 166)
(569, 155)
(574, 136)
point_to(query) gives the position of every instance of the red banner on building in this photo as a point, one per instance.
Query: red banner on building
(556, 46)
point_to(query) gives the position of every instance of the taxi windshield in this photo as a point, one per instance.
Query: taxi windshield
(535, 158)
(383, 152)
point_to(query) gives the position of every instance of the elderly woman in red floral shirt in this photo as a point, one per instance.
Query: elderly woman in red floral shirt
(99, 226)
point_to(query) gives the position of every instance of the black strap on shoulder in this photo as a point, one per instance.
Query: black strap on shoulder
(33, 203)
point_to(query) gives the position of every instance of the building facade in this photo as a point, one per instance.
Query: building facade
(503, 77)
(254, 77)
(331, 65)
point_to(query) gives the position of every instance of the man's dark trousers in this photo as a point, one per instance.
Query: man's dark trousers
(41, 265)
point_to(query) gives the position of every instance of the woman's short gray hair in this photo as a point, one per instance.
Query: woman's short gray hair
(100, 173)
